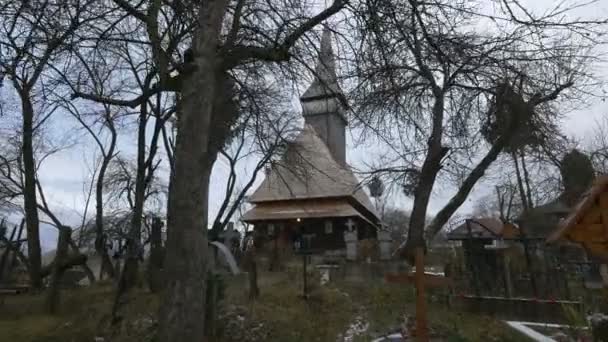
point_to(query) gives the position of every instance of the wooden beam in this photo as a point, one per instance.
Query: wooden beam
(422, 333)
(430, 280)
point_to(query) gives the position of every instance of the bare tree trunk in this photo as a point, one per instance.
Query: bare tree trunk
(424, 188)
(526, 179)
(134, 250)
(467, 185)
(58, 269)
(100, 241)
(155, 261)
(29, 192)
(522, 226)
(182, 313)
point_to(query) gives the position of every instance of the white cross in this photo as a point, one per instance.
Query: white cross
(230, 233)
(350, 224)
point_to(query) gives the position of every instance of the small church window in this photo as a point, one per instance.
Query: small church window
(270, 229)
(329, 227)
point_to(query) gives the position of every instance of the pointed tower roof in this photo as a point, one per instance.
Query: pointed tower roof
(325, 83)
(308, 171)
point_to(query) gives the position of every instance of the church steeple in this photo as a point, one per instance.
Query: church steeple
(322, 103)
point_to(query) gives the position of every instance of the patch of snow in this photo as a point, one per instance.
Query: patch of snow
(523, 327)
(356, 328)
(390, 338)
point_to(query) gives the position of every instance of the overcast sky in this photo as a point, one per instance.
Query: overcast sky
(64, 174)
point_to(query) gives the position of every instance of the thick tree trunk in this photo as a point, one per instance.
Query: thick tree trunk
(29, 192)
(182, 313)
(424, 188)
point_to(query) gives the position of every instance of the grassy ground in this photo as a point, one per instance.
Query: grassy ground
(278, 315)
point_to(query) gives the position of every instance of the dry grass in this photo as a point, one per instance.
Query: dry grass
(278, 315)
(84, 314)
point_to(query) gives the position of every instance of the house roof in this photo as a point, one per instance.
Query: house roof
(540, 221)
(587, 201)
(308, 170)
(483, 228)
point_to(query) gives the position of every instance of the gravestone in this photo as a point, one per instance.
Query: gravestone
(384, 244)
(230, 235)
(224, 259)
(351, 238)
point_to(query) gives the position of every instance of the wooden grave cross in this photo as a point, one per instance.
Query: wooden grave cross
(420, 280)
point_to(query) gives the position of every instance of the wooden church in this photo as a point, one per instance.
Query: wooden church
(587, 223)
(311, 194)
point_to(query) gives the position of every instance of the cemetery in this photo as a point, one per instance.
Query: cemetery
(331, 171)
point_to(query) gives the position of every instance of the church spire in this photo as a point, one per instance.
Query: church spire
(323, 104)
(325, 83)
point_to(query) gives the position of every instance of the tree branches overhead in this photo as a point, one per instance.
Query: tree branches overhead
(431, 75)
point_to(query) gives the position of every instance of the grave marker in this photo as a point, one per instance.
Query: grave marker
(420, 280)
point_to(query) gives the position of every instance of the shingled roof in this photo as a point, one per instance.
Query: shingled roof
(325, 82)
(307, 170)
(483, 228)
(586, 203)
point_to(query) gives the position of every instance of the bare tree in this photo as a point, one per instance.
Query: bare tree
(33, 35)
(105, 139)
(597, 147)
(428, 87)
(204, 117)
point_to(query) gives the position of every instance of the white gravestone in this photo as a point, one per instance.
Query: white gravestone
(384, 243)
(351, 239)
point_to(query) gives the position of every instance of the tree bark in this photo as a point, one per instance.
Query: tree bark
(424, 188)
(29, 191)
(182, 313)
